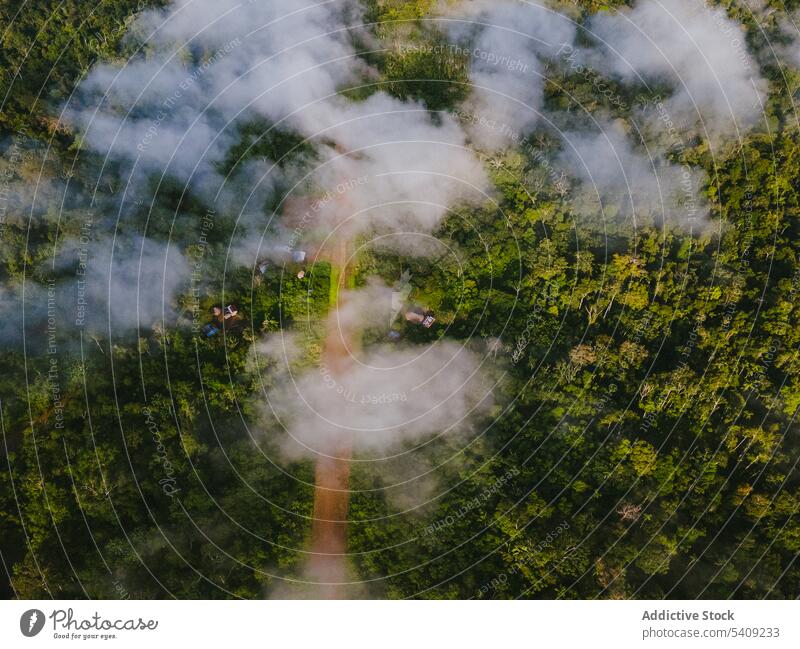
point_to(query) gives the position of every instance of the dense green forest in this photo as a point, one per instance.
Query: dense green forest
(642, 441)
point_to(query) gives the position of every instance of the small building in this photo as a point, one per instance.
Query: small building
(420, 317)
(281, 255)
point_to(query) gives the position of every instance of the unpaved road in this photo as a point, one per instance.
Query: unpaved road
(328, 563)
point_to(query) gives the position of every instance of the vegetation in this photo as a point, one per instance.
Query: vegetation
(644, 443)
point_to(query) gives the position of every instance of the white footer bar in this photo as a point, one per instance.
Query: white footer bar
(386, 625)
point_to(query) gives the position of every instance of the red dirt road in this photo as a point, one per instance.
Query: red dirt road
(328, 563)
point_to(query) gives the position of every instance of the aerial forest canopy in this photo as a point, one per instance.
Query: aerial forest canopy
(400, 299)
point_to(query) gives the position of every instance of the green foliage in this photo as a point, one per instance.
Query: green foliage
(46, 49)
(643, 439)
(261, 140)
